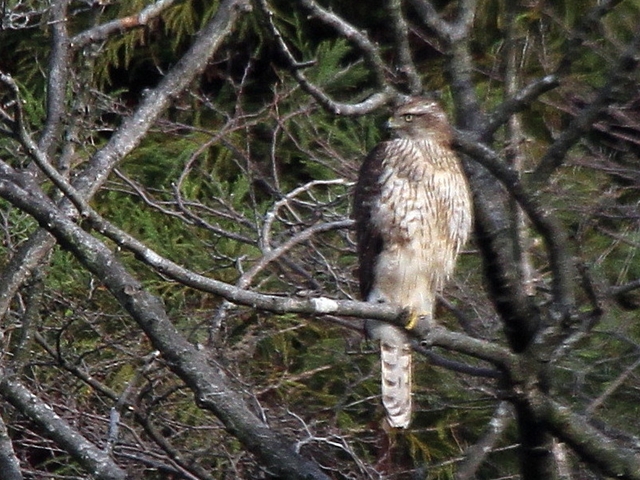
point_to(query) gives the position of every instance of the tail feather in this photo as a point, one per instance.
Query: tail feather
(396, 382)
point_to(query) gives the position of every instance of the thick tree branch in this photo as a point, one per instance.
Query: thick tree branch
(272, 303)
(491, 352)
(9, 464)
(590, 444)
(560, 258)
(211, 387)
(57, 79)
(404, 62)
(134, 128)
(518, 102)
(432, 19)
(93, 459)
(440, 361)
(465, 15)
(126, 138)
(517, 309)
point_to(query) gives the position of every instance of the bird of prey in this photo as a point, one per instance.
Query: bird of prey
(413, 214)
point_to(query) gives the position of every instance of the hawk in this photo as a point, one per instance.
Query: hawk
(413, 214)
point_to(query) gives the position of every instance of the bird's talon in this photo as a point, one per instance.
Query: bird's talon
(412, 320)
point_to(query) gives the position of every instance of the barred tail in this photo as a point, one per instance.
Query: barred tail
(396, 382)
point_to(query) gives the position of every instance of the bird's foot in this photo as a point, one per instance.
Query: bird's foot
(411, 318)
(416, 322)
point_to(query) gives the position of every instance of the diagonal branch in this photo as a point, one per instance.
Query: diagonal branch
(560, 258)
(477, 453)
(125, 139)
(385, 94)
(591, 445)
(117, 26)
(370, 51)
(519, 101)
(210, 385)
(432, 19)
(11, 187)
(556, 153)
(93, 459)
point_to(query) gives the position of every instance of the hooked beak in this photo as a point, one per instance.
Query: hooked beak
(391, 124)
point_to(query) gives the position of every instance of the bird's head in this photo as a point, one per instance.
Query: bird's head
(420, 119)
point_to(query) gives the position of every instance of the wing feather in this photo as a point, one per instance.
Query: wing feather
(367, 193)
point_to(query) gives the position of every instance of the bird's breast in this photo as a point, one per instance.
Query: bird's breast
(424, 195)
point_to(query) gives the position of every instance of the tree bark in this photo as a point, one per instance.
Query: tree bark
(206, 379)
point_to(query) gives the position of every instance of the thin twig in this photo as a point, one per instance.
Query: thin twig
(611, 388)
(386, 93)
(102, 32)
(556, 153)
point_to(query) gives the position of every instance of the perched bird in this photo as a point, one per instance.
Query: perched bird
(413, 214)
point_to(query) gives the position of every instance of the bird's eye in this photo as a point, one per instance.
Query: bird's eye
(408, 117)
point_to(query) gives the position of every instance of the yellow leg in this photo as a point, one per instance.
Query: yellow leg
(412, 319)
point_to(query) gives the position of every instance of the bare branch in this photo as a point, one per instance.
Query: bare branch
(37, 154)
(560, 258)
(556, 153)
(210, 385)
(465, 16)
(378, 99)
(476, 453)
(611, 388)
(458, 342)
(370, 51)
(126, 138)
(519, 101)
(9, 464)
(627, 287)
(440, 361)
(271, 303)
(102, 32)
(57, 79)
(133, 128)
(121, 401)
(590, 444)
(404, 62)
(430, 17)
(93, 459)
